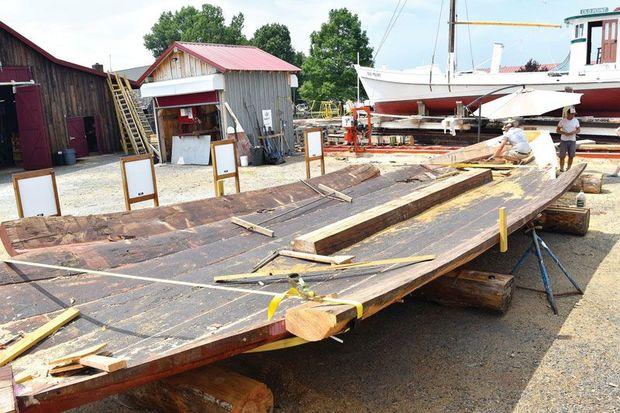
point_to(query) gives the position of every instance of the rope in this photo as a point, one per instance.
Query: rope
(471, 49)
(430, 80)
(390, 26)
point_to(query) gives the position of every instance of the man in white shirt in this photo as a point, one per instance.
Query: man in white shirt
(568, 128)
(516, 139)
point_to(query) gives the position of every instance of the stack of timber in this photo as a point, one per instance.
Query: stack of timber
(163, 330)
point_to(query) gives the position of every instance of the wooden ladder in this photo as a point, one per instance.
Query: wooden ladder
(136, 133)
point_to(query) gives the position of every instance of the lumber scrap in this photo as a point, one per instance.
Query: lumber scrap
(69, 368)
(346, 232)
(600, 147)
(39, 232)
(325, 259)
(23, 376)
(8, 402)
(209, 389)
(330, 191)
(105, 363)
(317, 321)
(75, 356)
(468, 288)
(250, 226)
(590, 183)
(34, 337)
(566, 220)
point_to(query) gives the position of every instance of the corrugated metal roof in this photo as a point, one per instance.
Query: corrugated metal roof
(228, 58)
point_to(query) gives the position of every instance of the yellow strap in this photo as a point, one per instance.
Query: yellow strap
(358, 306)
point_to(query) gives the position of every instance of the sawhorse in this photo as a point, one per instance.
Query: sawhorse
(538, 244)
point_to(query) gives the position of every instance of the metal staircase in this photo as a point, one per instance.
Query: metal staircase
(137, 136)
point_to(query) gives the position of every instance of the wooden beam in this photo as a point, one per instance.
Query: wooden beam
(7, 393)
(251, 227)
(326, 259)
(346, 232)
(468, 288)
(512, 24)
(590, 183)
(566, 220)
(104, 363)
(208, 389)
(75, 356)
(330, 191)
(32, 338)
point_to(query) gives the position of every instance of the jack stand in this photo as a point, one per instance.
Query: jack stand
(535, 248)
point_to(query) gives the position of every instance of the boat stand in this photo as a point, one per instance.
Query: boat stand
(538, 244)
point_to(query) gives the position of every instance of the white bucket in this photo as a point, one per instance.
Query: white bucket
(244, 160)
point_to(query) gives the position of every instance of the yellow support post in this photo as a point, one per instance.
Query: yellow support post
(503, 230)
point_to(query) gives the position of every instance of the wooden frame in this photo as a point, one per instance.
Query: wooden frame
(309, 158)
(128, 200)
(34, 174)
(219, 189)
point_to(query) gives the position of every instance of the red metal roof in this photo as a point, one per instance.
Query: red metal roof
(227, 58)
(48, 56)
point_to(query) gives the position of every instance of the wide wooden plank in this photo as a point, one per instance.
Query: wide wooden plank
(316, 321)
(32, 338)
(341, 234)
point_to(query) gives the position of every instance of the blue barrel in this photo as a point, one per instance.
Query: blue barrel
(69, 155)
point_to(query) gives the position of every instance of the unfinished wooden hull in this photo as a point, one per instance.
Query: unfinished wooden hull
(163, 329)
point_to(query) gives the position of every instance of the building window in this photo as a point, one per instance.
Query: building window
(578, 31)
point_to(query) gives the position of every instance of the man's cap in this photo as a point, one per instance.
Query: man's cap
(572, 110)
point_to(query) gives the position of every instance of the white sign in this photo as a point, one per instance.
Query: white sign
(267, 120)
(315, 139)
(225, 159)
(594, 10)
(139, 178)
(37, 196)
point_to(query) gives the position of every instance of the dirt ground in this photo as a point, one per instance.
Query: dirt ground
(417, 356)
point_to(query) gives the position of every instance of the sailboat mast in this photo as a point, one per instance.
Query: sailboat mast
(452, 39)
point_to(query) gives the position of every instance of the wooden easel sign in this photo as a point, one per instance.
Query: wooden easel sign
(225, 165)
(36, 193)
(313, 148)
(139, 183)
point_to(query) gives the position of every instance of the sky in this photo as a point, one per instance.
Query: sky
(111, 31)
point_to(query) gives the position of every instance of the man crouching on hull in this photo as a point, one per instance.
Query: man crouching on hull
(514, 137)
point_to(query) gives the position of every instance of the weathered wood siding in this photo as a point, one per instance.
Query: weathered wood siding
(185, 65)
(66, 92)
(259, 91)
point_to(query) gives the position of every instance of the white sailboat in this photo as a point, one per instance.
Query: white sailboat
(591, 69)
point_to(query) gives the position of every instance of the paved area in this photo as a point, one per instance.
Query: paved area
(417, 356)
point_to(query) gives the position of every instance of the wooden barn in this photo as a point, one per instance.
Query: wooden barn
(203, 92)
(48, 104)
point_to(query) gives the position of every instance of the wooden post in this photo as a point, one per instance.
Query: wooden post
(503, 230)
(208, 389)
(313, 150)
(467, 288)
(421, 108)
(589, 183)
(566, 220)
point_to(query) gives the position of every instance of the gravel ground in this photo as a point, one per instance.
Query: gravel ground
(418, 356)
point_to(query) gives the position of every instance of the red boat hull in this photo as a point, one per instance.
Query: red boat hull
(594, 102)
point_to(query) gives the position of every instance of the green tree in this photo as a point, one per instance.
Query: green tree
(328, 70)
(275, 38)
(531, 66)
(189, 24)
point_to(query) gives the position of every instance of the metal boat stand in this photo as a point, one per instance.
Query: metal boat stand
(538, 244)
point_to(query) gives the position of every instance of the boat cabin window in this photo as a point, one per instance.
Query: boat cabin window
(579, 31)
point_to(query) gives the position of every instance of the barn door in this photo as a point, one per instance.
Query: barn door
(610, 40)
(77, 136)
(33, 134)
(101, 143)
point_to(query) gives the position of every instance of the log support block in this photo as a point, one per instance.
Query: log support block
(468, 288)
(208, 389)
(591, 183)
(7, 392)
(565, 220)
